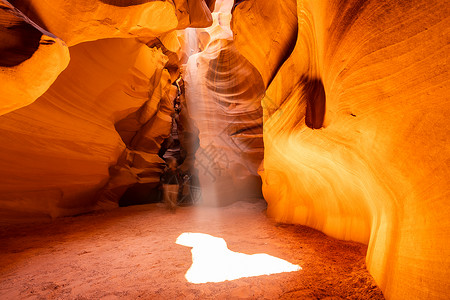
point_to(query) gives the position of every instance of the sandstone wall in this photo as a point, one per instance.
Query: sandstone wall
(57, 152)
(25, 48)
(223, 94)
(74, 139)
(373, 75)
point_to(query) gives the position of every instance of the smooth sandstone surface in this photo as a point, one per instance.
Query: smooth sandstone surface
(378, 170)
(30, 59)
(96, 131)
(60, 151)
(268, 34)
(223, 94)
(99, 19)
(35, 34)
(350, 98)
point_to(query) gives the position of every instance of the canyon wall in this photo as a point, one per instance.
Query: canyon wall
(85, 104)
(355, 128)
(58, 151)
(349, 97)
(25, 48)
(223, 100)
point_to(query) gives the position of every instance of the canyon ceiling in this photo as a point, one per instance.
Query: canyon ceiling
(336, 109)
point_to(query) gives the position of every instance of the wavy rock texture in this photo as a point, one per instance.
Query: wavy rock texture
(378, 172)
(101, 19)
(60, 149)
(143, 131)
(30, 59)
(194, 14)
(97, 130)
(371, 77)
(223, 93)
(261, 38)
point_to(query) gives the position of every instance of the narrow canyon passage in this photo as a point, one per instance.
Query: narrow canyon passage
(131, 253)
(335, 112)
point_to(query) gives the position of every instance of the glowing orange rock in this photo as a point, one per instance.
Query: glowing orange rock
(65, 145)
(223, 92)
(99, 127)
(92, 20)
(30, 59)
(377, 172)
(265, 33)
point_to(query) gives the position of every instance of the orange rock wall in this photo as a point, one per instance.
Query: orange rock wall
(24, 48)
(223, 94)
(58, 151)
(74, 139)
(378, 171)
(355, 113)
(35, 35)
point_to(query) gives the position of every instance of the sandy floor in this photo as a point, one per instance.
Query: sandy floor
(130, 253)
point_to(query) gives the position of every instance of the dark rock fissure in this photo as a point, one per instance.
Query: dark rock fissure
(316, 100)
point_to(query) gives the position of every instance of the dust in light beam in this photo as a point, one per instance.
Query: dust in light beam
(212, 261)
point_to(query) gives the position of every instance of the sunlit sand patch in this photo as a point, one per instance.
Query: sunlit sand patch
(212, 261)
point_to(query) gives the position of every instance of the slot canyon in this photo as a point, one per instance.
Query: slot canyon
(307, 139)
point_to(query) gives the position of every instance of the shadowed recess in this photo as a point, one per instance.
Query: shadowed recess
(236, 3)
(19, 39)
(125, 3)
(315, 106)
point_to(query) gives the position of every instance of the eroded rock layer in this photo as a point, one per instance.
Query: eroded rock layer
(97, 130)
(99, 19)
(375, 75)
(223, 94)
(30, 59)
(352, 96)
(58, 151)
(35, 34)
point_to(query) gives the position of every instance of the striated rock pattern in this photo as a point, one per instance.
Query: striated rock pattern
(261, 38)
(101, 19)
(373, 75)
(347, 100)
(61, 149)
(30, 59)
(96, 130)
(35, 34)
(223, 94)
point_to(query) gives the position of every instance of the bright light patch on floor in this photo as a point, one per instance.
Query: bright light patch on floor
(212, 261)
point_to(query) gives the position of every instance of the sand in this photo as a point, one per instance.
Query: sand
(130, 253)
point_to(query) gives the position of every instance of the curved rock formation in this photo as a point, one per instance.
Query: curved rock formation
(30, 59)
(352, 96)
(101, 19)
(223, 93)
(261, 38)
(378, 172)
(98, 129)
(59, 150)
